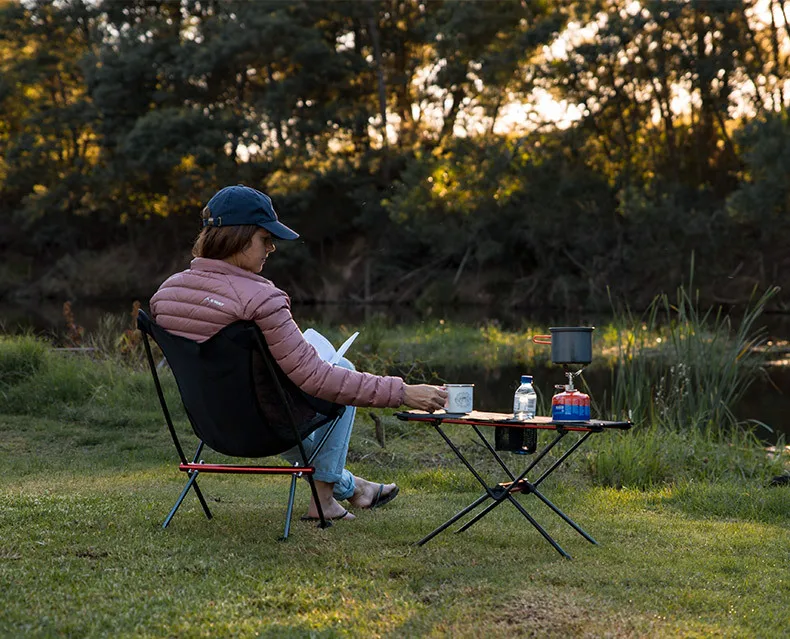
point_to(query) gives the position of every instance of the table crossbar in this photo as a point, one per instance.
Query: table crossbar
(504, 491)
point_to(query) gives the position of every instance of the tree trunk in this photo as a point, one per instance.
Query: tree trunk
(374, 35)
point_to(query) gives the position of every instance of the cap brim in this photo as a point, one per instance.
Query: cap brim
(279, 230)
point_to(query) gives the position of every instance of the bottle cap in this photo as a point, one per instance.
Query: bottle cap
(526, 379)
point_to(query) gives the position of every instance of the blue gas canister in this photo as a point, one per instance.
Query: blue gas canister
(570, 406)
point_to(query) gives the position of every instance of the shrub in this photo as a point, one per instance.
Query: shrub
(39, 381)
(654, 455)
(20, 358)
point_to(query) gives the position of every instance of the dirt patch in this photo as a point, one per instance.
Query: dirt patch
(562, 614)
(91, 553)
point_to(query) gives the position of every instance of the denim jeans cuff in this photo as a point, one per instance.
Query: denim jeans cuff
(340, 491)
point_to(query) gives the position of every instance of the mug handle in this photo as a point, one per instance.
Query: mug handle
(542, 339)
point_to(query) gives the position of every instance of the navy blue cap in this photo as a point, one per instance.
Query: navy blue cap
(238, 205)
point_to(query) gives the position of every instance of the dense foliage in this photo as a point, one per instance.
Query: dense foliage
(385, 132)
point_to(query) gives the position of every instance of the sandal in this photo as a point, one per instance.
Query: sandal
(335, 518)
(380, 500)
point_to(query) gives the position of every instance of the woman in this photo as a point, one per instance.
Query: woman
(223, 285)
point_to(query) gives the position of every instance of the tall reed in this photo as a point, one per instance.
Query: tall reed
(677, 374)
(679, 367)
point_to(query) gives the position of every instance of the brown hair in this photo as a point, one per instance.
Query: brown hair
(220, 242)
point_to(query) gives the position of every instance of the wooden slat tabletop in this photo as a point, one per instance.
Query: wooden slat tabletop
(481, 418)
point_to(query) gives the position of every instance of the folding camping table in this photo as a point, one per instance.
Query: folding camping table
(503, 491)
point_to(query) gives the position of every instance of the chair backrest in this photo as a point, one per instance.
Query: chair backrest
(220, 381)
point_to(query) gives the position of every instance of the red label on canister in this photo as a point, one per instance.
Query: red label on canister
(570, 406)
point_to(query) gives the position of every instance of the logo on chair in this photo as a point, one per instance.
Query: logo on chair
(211, 300)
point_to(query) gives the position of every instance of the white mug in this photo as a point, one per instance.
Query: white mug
(459, 398)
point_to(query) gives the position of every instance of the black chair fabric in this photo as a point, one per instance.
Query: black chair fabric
(231, 401)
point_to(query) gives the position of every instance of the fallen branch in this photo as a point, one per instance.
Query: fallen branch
(379, 429)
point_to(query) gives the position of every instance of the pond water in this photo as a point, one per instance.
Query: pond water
(767, 401)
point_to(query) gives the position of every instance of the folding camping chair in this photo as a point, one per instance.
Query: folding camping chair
(239, 403)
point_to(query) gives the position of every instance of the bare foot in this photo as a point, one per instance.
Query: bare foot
(332, 510)
(365, 492)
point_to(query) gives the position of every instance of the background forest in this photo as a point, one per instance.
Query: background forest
(530, 153)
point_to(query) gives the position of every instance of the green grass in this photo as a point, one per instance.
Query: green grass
(82, 553)
(693, 543)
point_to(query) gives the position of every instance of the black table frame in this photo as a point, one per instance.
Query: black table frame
(503, 491)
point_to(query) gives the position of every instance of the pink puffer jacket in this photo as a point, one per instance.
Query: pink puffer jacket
(211, 294)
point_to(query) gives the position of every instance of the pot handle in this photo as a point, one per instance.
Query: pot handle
(542, 339)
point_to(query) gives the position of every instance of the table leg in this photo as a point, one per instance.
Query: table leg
(564, 517)
(535, 460)
(453, 519)
(498, 495)
(469, 466)
(565, 456)
(492, 450)
(539, 528)
(515, 480)
(532, 487)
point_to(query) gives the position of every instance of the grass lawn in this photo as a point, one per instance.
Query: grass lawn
(83, 554)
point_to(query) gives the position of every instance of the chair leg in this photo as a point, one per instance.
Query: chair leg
(202, 501)
(197, 488)
(191, 483)
(323, 522)
(289, 511)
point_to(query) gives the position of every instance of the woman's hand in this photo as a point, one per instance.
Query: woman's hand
(424, 396)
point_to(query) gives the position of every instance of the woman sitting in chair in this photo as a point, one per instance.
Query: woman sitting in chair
(223, 285)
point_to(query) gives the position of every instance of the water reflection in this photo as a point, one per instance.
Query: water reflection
(767, 401)
(46, 317)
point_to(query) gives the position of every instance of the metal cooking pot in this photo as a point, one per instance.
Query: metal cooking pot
(569, 344)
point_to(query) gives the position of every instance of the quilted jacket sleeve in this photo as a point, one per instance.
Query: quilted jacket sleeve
(301, 363)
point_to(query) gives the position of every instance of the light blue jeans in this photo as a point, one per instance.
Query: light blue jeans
(330, 462)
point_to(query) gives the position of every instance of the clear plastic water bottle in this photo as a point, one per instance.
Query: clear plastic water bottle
(525, 400)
